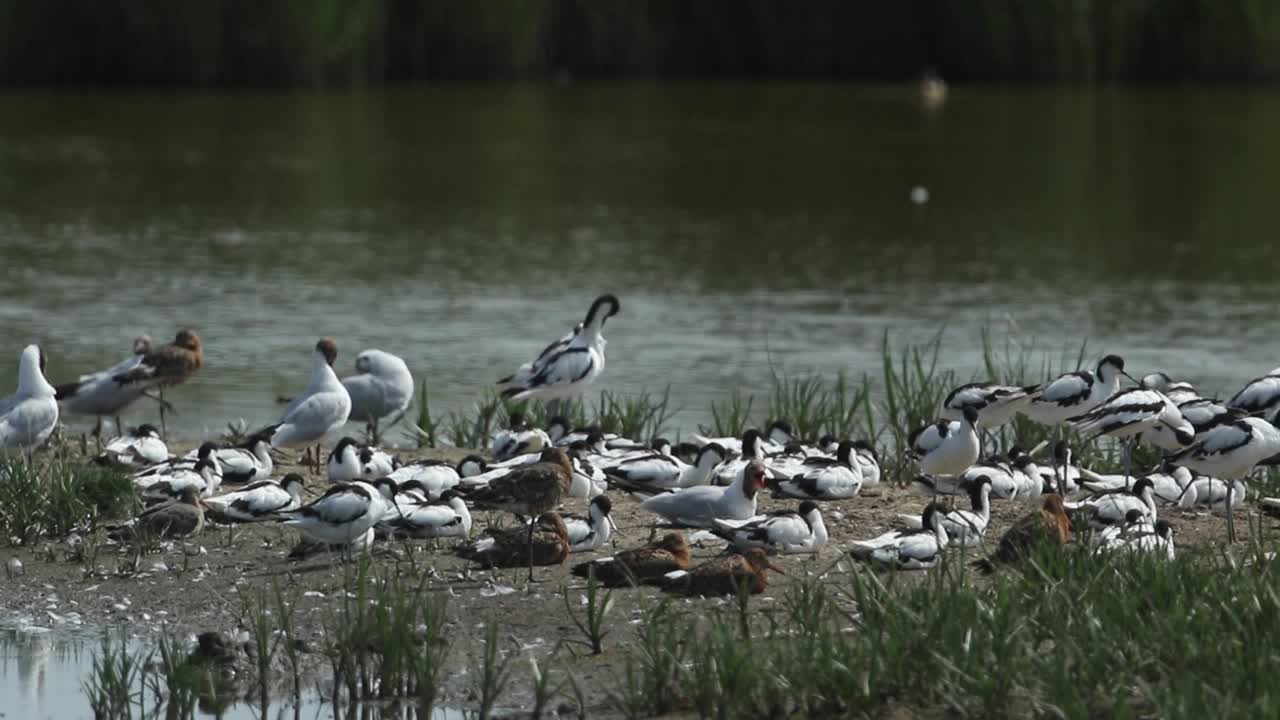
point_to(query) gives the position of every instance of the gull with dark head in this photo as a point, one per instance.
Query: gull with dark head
(322, 407)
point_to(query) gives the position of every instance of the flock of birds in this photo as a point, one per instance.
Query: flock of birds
(709, 486)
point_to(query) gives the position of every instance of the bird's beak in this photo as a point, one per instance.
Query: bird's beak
(1131, 378)
(614, 525)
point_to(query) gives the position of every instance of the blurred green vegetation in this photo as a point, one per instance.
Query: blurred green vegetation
(360, 42)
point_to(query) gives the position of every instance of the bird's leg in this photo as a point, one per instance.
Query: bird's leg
(373, 432)
(1128, 459)
(530, 544)
(164, 431)
(1231, 525)
(97, 433)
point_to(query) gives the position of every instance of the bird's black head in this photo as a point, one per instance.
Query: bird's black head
(971, 415)
(516, 421)
(603, 503)
(867, 447)
(471, 465)
(604, 307)
(343, 444)
(146, 430)
(807, 507)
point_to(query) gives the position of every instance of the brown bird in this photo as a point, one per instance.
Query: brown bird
(167, 365)
(641, 565)
(726, 574)
(546, 543)
(1049, 524)
(176, 518)
(529, 490)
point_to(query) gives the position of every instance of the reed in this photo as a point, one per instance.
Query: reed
(54, 498)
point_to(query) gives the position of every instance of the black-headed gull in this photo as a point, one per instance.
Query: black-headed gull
(321, 407)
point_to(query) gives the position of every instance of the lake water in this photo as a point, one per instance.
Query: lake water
(42, 670)
(740, 224)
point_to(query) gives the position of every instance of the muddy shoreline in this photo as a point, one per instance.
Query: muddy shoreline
(199, 585)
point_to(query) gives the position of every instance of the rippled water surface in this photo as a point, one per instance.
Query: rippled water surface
(464, 228)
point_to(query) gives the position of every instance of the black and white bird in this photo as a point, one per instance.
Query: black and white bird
(351, 461)
(1204, 414)
(659, 473)
(248, 463)
(98, 395)
(1076, 393)
(1137, 534)
(907, 549)
(868, 463)
(419, 518)
(591, 531)
(752, 445)
(139, 447)
(1231, 452)
(1178, 391)
(1131, 413)
(946, 447)
(965, 528)
(996, 404)
(345, 514)
(566, 372)
(774, 440)
(782, 531)
(1211, 493)
(381, 388)
(517, 439)
(205, 451)
(1107, 509)
(263, 500)
(823, 478)
(527, 371)
(437, 476)
(701, 506)
(1168, 486)
(203, 476)
(28, 417)
(1259, 396)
